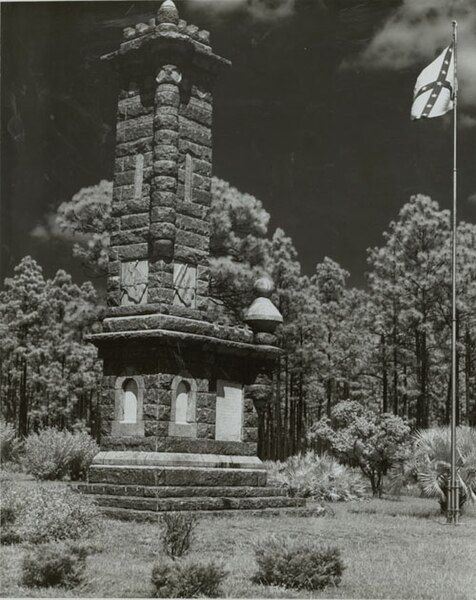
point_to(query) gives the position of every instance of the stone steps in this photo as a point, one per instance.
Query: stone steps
(150, 491)
(140, 503)
(176, 476)
(128, 514)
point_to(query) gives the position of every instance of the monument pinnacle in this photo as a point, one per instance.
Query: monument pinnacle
(167, 13)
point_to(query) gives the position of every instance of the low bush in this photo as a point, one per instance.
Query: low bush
(43, 514)
(175, 579)
(53, 454)
(84, 450)
(176, 533)
(320, 477)
(9, 444)
(54, 564)
(10, 507)
(298, 565)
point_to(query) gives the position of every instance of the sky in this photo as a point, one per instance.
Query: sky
(312, 119)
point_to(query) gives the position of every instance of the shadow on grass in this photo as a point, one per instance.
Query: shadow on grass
(385, 512)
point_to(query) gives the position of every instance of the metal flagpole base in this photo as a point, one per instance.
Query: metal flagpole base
(453, 512)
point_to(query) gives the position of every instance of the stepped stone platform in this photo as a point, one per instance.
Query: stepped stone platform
(138, 485)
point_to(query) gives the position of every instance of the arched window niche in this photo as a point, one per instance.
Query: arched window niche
(184, 401)
(129, 394)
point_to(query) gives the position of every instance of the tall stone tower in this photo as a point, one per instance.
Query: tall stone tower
(178, 421)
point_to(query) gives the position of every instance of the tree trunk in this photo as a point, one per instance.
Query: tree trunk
(23, 410)
(384, 375)
(395, 365)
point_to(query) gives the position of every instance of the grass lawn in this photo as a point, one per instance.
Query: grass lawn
(392, 549)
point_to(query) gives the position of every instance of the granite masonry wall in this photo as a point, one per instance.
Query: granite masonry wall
(157, 371)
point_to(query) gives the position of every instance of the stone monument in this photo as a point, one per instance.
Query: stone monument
(178, 421)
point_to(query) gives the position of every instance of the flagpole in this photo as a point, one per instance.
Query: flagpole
(453, 491)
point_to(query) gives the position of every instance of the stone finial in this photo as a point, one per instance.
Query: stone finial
(167, 13)
(262, 316)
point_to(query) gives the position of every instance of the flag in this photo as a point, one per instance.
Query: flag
(433, 94)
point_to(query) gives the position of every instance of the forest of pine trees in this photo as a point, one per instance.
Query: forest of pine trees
(386, 346)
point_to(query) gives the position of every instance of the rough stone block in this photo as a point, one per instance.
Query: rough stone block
(198, 182)
(190, 209)
(166, 120)
(137, 147)
(161, 295)
(162, 198)
(124, 178)
(130, 236)
(197, 110)
(113, 283)
(250, 434)
(165, 167)
(164, 183)
(167, 95)
(162, 214)
(205, 415)
(135, 221)
(162, 230)
(166, 137)
(190, 255)
(161, 249)
(203, 197)
(194, 132)
(166, 152)
(202, 167)
(128, 108)
(132, 252)
(206, 400)
(194, 240)
(205, 431)
(250, 419)
(195, 150)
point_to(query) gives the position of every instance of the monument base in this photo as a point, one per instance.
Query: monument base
(147, 483)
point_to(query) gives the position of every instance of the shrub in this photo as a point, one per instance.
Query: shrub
(358, 437)
(176, 532)
(9, 444)
(56, 564)
(52, 454)
(320, 477)
(174, 579)
(46, 514)
(299, 565)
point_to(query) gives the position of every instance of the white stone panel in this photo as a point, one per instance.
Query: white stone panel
(185, 285)
(134, 275)
(229, 411)
(129, 414)
(181, 403)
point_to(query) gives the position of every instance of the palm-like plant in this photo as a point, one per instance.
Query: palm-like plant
(431, 463)
(320, 477)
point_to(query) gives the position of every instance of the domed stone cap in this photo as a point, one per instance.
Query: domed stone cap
(167, 13)
(262, 316)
